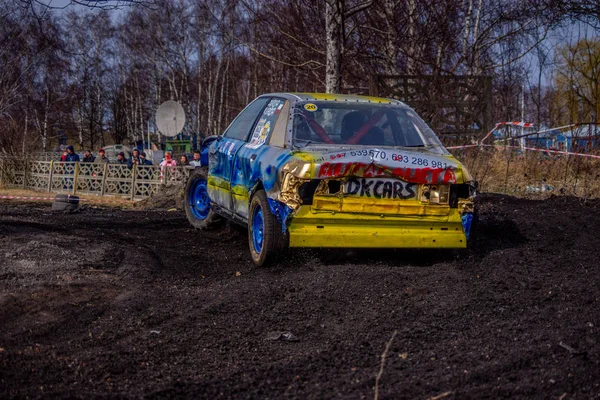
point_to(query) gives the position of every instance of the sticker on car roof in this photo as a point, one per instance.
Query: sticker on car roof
(310, 107)
(274, 107)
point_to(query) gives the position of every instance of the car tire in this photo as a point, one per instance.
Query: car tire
(196, 202)
(265, 235)
(65, 202)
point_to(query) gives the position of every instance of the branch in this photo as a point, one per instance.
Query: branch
(357, 8)
(523, 54)
(383, 356)
(319, 65)
(99, 4)
(301, 42)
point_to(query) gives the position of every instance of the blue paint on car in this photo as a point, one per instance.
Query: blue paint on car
(204, 156)
(258, 233)
(467, 221)
(199, 200)
(281, 212)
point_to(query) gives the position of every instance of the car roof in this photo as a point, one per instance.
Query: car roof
(301, 97)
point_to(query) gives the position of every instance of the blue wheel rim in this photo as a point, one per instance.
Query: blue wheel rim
(199, 200)
(257, 229)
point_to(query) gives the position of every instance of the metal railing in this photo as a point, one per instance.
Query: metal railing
(138, 182)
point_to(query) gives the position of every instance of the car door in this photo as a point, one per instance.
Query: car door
(222, 153)
(253, 157)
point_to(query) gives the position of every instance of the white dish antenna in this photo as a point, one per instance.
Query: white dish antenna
(170, 118)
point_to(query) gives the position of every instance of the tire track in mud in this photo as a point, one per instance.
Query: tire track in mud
(156, 309)
(13, 227)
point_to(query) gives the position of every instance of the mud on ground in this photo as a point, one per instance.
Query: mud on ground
(135, 303)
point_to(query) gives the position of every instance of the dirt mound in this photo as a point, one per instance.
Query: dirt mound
(135, 303)
(167, 197)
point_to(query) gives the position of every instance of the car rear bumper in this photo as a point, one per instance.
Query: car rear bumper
(348, 230)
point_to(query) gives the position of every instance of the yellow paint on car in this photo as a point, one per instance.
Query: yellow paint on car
(240, 191)
(343, 97)
(313, 228)
(216, 182)
(361, 205)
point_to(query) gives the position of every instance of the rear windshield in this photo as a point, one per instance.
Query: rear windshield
(342, 123)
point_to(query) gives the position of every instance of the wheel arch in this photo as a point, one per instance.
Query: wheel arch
(257, 186)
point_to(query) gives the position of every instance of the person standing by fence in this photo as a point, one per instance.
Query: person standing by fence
(144, 160)
(135, 159)
(88, 156)
(71, 155)
(183, 161)
(196, 161)
(168, 162)
(102, 157)
(121, 158)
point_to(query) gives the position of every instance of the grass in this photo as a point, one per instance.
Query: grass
(524, 174)
(110, 201)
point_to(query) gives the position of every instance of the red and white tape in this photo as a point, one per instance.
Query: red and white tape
(517, 123)
(25, 198)
(33, 198)
(466, 146)
(558, 152)
(512, 123)
(570, 153)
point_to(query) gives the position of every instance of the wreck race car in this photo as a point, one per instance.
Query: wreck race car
(320, 170)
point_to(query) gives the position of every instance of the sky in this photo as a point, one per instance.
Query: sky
(567, 34)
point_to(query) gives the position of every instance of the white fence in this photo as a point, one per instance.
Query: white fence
(138, 182)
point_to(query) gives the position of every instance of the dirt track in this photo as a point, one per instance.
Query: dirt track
(135, 303)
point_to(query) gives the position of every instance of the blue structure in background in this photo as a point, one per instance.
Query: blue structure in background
(545, 140)
(584, 137)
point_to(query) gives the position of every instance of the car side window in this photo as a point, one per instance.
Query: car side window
(265, 125)
(243, 123)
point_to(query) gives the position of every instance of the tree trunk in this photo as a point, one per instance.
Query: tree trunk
(334, 14)
(221, 101)
(45, 125)
(391, 49)
(411, 63)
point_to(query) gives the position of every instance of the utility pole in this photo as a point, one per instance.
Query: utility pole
(522, 144)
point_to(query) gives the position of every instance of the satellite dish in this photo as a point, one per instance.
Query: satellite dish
(170, 118)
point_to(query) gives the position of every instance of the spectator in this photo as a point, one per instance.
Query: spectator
(135, 159)
(101, 157)
(144, 160)
(168, 162)
(64, 156)
(196, 161)
(183, 160)
(88, 156)
(121, 158)
(71, 155)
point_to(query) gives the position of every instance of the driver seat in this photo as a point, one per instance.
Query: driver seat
(351, 123)
(375, 137)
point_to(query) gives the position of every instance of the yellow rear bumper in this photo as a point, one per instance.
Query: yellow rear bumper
(310, 228)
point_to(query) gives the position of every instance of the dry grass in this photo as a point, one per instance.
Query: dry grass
(4, 191)
(512, 171)
(497, 169)
(109, 201)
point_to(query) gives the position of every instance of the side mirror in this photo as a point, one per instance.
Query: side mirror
(209, 139)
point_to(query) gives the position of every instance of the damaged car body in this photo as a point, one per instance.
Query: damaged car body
(321, 170)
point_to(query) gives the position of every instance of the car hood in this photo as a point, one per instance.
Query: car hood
(416, 166)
